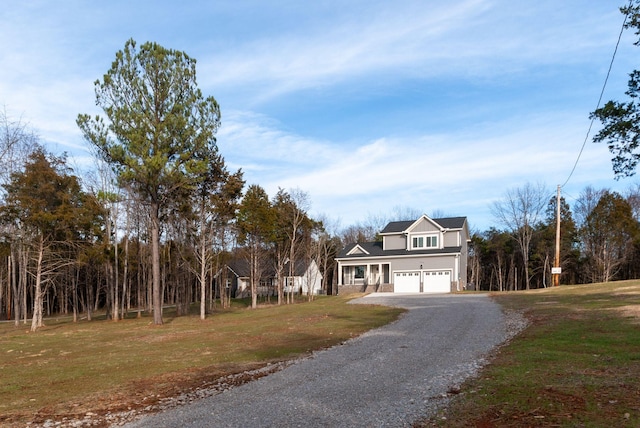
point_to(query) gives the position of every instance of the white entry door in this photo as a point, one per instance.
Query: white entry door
(406, 282)
(437, 281)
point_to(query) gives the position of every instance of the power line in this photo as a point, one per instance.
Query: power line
(584, 143)
(557, 269)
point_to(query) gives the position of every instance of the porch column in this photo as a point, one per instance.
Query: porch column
(339, 273)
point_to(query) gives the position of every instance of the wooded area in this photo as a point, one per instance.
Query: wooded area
(72, 246)
(159, 217)
(600, 240)
(156, 221)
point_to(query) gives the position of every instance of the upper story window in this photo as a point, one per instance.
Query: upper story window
(426, 241)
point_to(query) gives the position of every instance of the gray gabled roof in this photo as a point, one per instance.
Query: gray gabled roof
(445, 223)
(451, 222)
(397, 226)
(300, 267)
(374, 249)
(240, 267)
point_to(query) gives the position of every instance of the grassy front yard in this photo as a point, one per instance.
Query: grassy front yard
(577, 365)
(68, 369)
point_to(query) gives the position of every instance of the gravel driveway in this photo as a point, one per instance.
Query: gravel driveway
(388, 377)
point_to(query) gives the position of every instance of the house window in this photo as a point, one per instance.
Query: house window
(429, 241)
(359, 272)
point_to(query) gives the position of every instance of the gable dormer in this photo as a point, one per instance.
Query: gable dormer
(424, 234)
(357, 249)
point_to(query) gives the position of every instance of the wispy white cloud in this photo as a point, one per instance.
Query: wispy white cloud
(394, 38)
(264, 69)
(474, 38)
(450, 172)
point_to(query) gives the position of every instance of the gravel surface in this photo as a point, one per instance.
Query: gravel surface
(388, 377)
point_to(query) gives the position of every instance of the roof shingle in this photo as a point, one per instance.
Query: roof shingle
(375, 250)
(446, 223)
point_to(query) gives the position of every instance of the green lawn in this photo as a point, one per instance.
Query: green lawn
(576, 365)
(68, 369)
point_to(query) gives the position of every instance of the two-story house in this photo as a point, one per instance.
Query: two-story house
(419, 256)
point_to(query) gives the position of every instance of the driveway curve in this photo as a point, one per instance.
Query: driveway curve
(388, 377)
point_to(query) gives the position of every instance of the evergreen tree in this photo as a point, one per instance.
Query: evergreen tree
(156, 122)
(621, 120)
(47, 202)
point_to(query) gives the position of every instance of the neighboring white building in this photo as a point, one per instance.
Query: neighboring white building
(306, 275)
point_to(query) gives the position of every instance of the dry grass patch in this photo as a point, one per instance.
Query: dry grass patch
(630, 311)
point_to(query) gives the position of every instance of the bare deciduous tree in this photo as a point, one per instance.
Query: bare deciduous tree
(585, 204)
(520, 211)
(16, 140)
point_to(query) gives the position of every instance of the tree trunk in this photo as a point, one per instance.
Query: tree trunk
(36, 320)
(203, 276)
(155, 264)
(254, 276)
(108, 278)
(16, 289)
(280, 275)
(76, 279)
(126, 289)
(5, 296)
(292, 264)
(116, 300)
(525, 261)
(24, 261)
(89, 290)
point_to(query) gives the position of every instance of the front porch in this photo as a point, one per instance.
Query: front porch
(365, 288)
(367, 278)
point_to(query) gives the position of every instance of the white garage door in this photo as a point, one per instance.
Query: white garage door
(437, 281)
(406, 282)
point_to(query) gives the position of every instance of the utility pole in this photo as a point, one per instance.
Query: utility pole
(557, 270)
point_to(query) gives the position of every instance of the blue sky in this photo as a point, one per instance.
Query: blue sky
(365, 105)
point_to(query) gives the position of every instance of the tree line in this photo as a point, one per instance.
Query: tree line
(72, 245)
(599, 239)
(160, 215)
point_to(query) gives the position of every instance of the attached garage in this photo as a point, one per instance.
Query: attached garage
(437, 281)
(406, 282)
